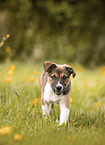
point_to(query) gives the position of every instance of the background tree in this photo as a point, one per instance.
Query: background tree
(63, 30)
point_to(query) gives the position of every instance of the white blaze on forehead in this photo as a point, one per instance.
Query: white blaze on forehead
(61, 66)
(59, 84)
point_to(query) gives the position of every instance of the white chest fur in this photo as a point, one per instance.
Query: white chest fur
(49, 95)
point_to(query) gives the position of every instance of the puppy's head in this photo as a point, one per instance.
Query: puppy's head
(58, 77)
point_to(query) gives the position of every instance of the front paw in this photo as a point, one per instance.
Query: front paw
(62, 124)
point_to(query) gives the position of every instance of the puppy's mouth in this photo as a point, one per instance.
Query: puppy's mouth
(58, 93)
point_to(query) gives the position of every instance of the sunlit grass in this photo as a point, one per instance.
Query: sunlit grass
(28, 126)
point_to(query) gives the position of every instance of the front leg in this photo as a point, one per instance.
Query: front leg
(64, 113)
(47, 108)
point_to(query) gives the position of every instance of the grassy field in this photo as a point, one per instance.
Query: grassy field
(21, 110)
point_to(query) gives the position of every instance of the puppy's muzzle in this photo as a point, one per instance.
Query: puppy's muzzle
(58, 89)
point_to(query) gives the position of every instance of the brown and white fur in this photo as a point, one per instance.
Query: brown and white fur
(55, 88)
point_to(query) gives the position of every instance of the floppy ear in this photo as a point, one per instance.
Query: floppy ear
(48, 66)
(70, 70)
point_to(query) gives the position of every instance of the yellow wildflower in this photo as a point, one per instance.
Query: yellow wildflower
(97, 104)
(103, 73)
(17, 137)
(0, 73)
(31, 79)
(33, 104)
(13, 67)
(8, 49)
(8, 35)
(36, 100)
(10, 72)
(5, 130)
(2, 43)
(71, 100)
(35, 72)
(8, 79)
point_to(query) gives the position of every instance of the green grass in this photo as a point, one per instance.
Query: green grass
(87, 119)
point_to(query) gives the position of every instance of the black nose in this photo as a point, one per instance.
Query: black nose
(58, 88)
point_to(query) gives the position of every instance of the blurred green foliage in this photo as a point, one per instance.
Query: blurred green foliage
(58, 30)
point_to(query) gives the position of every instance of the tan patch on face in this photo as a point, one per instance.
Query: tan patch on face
(54, 75)
(67, 82)
(65, 78)
(51, 78)
(63, 74)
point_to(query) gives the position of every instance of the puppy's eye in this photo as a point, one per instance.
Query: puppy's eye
(65, 77)
(53, 77)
